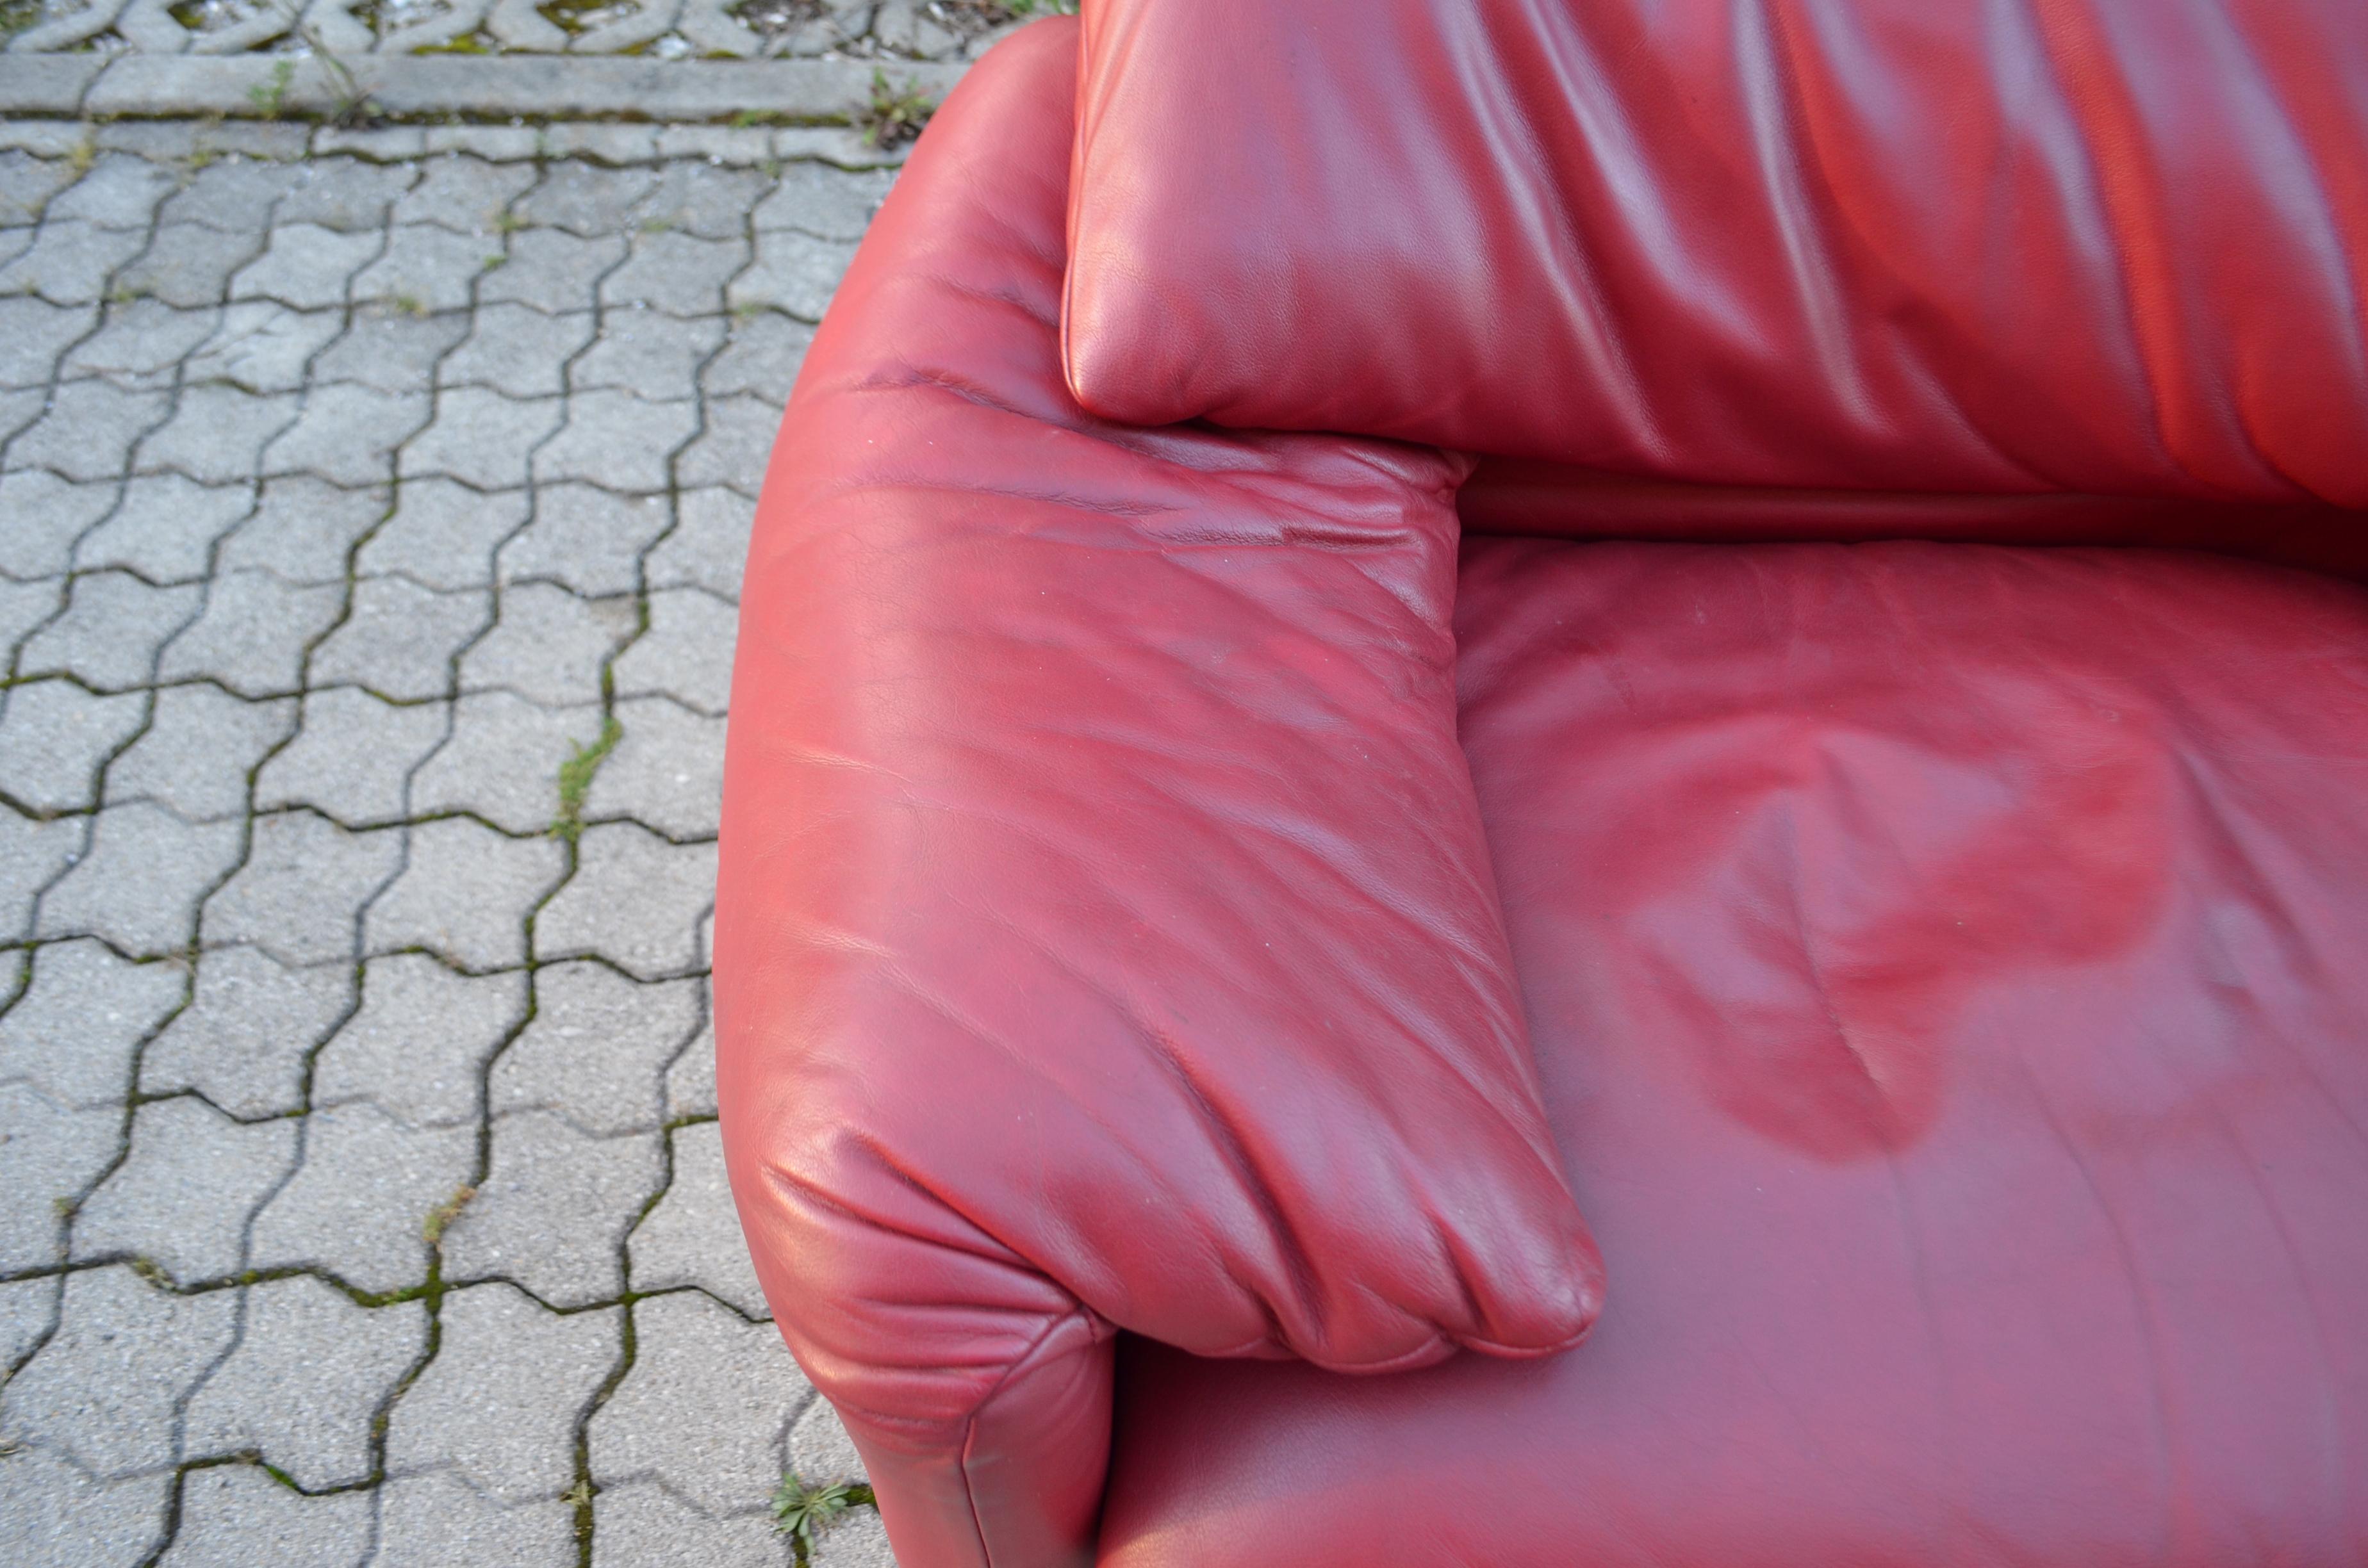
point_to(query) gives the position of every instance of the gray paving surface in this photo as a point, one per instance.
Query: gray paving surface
(340, 499)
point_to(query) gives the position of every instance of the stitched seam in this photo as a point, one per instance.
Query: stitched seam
(970, 1427)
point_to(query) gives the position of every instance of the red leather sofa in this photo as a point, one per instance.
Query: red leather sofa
(1580, 783)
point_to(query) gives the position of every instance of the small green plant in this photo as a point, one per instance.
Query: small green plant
(747, 119)
(493, 263)
(893, 118)
(410, 304)
(508, 223)
(271, 97)
(802, 1512)
(575, 777)
(352, 103)
(85, 154)
(439, 1218)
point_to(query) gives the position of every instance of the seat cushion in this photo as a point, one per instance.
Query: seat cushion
(2115, 246)
(1949, 968)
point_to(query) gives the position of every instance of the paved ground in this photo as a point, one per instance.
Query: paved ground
(360, 1198)
(665, 30)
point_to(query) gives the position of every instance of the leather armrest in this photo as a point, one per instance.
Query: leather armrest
(1105, 936)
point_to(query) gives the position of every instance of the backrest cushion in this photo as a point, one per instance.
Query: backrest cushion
(2108, 246)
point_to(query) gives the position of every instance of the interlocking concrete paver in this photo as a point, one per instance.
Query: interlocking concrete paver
(42, 516)
(549, 269)
(686, 654)
(828, 203)
(303, 529)
(418, 1045)
(198, 750)
(762, 358)
(518, 351)
(235, 195)
(587, 540)
(53, 1514)
(709, 545)
(51, 1158)
(857, 1540)
(73, 1035)
(463, 193)
(117, 191)
(340, 499)
(345, 193)
(548, 645)
(642, 1522)
(692, 1238)
(303, 884)
(666, 772)
(29, 1310)
(636, 899)
(424, 266)
(732, 450)
(703, 1410)
(497, 1406)
(555, 1208)
(216, 432)
(348, 434)
(143, 342)
(351, 755)
(356, 1203)
(658, 359)
(71, 262)
(677, 273)
(443, 534)
(186, 1190)
(310, 1374)
(691, 1082)
(103, 1391)
(166, 528)
(503, 759)
(434, 1520)
(263, 346)
(139, 882)
(480, 437)
(111, 629)
(584, 199)
(616, 440)
(34, 332)
(32, 854)
(88, 429)
(793, 271)
(401, 637)
(251, 1023)
(237, 1515)
(464, 893)
(305, 266)
(54, 736)
(253, 631)
(392, 346)
(188, 265)
(598, 1049)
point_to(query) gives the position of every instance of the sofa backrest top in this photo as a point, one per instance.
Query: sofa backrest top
(2111, 247)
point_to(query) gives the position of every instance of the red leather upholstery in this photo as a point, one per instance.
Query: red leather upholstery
(1106, 938)
(1946, 969)
(2112, 246)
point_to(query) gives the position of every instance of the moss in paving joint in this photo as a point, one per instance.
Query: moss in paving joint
(575, 777)
(439, 1218)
